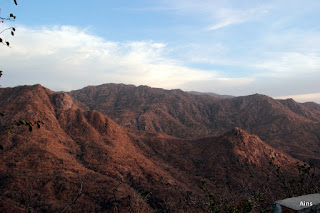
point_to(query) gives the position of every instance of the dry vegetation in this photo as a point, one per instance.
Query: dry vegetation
(82, 160)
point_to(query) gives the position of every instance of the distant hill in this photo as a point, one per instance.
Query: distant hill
(212, 94)
(312, 105)
(285, 124)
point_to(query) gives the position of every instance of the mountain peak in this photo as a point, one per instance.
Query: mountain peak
(237, 133)
(258, 96)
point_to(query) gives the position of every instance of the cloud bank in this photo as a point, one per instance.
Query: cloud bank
(67, 58)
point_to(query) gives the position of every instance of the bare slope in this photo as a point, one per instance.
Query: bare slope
(120, 168)
(285, 124)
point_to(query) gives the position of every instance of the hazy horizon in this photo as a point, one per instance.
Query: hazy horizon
(224, 47)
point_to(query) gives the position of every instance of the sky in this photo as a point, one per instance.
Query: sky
(223, 46)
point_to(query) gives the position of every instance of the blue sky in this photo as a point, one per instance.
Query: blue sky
(227, 47)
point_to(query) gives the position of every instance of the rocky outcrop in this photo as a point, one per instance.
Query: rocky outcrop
(62, 101)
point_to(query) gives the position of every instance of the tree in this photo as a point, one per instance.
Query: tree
(29, 124)
(2, 20)
(12, 29)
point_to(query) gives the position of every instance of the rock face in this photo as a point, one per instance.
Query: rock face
(171, 112)
(62, 101)
(285, 124)
(127, 168)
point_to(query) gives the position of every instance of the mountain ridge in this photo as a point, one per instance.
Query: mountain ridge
(184, 115)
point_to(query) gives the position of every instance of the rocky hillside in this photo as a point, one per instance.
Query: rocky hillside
(82, 159)
(285, 124)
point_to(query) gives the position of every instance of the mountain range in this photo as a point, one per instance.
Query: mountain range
(284, 124)
(122, 148)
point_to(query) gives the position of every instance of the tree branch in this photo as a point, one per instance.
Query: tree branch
(6, 29)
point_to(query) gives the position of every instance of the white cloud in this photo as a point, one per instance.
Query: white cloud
(224, 23)
(66, 57)
(229, 86)
(221, 13)
(289, 63)
(290, 53)
(228, 17)
(303, 97)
